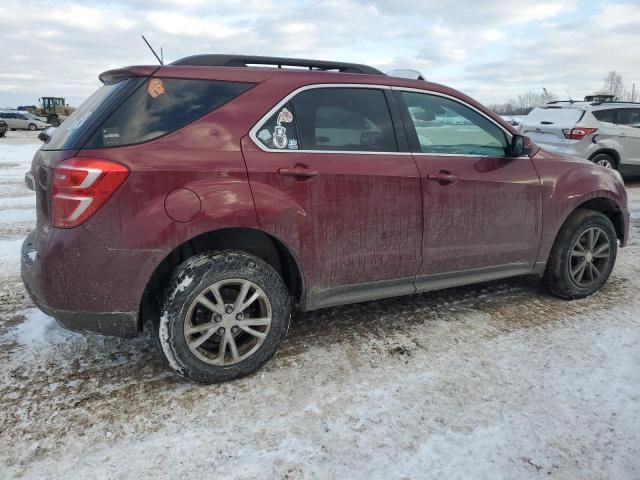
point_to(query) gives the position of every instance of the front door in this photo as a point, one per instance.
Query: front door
(328, 179)
(482, 209)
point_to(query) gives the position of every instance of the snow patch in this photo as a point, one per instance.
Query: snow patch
(40, 330)
(10, 255)
(165, 340)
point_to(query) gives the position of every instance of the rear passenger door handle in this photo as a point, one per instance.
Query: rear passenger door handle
(299, 171)
(443, 177)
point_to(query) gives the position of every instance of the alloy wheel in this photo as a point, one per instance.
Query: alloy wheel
(590, 256)
(604, 162)
(227, 322)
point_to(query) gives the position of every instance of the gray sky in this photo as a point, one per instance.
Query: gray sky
(492, 49)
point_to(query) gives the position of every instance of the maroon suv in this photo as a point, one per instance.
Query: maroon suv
(213, 195)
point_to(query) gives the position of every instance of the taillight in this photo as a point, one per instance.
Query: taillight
(577, 133)
(81, 186)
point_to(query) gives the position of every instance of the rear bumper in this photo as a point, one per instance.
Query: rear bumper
(86, 287)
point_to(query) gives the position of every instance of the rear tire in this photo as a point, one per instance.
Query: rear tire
(210, 329)
(582, 256)
(605, 160)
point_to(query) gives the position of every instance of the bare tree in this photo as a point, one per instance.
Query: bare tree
(613, 85)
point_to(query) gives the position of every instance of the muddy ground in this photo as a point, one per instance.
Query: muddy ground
(497, 380)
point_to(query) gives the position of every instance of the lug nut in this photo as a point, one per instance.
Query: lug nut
(217, 318)
(228, 309)
(234, 330)
(221, 330)
(239, 316)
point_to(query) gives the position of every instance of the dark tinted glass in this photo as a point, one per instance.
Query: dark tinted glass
(629, 117)
(446, 126)
(351, 119)
(64, 136)
(605, 115)
(160, 106)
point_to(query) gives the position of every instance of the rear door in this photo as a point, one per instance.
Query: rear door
(482, 209)
(330, 179)
(629, 134)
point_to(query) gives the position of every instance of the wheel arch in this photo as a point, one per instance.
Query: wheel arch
(607, 207)
(250, 240)
(609, 151)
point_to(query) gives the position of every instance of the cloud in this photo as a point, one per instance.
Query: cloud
(492, 50)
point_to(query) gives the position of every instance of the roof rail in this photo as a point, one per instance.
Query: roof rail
(216, 60)
(615, 103)
(562, 101)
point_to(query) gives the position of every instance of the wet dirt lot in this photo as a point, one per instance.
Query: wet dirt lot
(497, 380)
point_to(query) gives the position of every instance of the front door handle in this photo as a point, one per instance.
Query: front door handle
(443, 177)
(299, 171)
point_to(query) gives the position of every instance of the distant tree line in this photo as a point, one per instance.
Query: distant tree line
(524, 103)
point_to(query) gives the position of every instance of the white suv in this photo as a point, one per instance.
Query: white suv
(607, 133)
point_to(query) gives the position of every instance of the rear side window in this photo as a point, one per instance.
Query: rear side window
(160, 106)
(608, 116)
(332, 119)
(349, 119)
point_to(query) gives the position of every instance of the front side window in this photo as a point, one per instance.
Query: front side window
(629, 117)
(445, 126)
(332, 119)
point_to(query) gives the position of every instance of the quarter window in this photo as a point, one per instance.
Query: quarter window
(332, 119)
(447, 127)
(157, 107)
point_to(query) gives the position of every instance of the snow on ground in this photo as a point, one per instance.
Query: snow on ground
(493, 381)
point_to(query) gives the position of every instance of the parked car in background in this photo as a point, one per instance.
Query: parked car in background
(18, 120)
(213, 196)
(3, 128)
(607, 133)
(35, 117)
(513, 120)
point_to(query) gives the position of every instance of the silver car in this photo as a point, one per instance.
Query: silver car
(607, 133)
(18, 120)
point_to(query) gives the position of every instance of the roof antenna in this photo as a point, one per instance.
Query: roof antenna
(569, 95)
(152, 50)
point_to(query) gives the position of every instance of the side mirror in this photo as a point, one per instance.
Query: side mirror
(518, 146)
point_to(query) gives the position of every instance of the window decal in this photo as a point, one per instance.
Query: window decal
(280, 132)
(156, 87)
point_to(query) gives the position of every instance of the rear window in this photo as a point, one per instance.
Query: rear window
(160, 106)
(553, 116)
(70, 130)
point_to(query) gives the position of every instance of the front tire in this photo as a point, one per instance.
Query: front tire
(32, 127)
(583, 255)
(224, 316)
